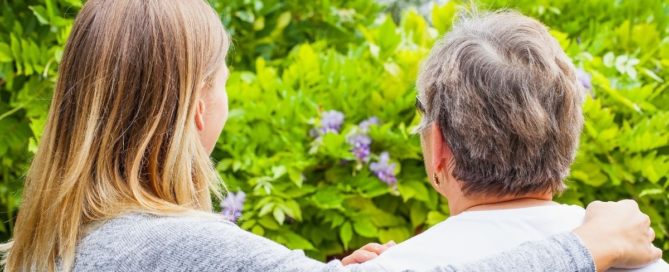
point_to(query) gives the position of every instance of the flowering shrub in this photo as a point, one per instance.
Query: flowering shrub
(318, 148)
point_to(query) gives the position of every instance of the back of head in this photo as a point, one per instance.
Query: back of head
(120, 134)
(508, 103)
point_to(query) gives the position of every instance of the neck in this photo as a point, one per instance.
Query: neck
(461, 203)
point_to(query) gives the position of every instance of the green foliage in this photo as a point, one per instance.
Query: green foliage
(294, 60)
(270, 28)
(624, 149)
(32, 35)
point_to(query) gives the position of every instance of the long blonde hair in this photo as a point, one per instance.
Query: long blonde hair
(120, 135)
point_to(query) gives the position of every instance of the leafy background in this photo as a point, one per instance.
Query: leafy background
(293, 61)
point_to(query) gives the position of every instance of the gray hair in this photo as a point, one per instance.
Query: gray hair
(508, 103)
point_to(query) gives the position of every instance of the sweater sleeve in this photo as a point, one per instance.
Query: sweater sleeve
(562, 252)
(172, 244)
(248, 252)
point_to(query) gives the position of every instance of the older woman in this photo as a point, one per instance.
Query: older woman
(502, 119)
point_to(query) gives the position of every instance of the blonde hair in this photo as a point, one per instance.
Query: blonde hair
(120, 134)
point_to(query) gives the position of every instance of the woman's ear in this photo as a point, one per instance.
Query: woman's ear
(199, 115)
(441, 153)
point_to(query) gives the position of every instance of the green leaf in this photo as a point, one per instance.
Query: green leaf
(248, 224)
(41, 14)
(258, 230)
(328, 198)
(413, 189)
(651, 192)
(296, 177)
(435, 217)
(418, 213)
(442, 16)
(388, 37)
(279, 215)
(294, 241)
(259, 23)
(283, 20)
(364, 227)
(245, 16)
(292, 209)
(268, 223)
(381, 218)
(266, 209)
(5, 52)
(346, 233)
(397, 234)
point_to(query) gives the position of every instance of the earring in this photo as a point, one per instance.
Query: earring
(436, 179)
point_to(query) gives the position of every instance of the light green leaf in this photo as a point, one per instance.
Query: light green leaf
(292, 209)
(283, 20)
(279, 215)
(5, 52)
(364, 227)
(442, 16)
(346, 233)
(294, 241)
(397, 234)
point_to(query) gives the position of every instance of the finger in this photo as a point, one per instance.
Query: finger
(643, 257)
(347, 260)
(651, 234)
(656, 253)
(384, 247)
(374, 247)
(595, 203)
(646, 219)
(350, 259)
(630, 202)
(652, 254)
(359, 256)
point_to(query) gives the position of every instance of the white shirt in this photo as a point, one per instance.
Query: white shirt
(474, 235)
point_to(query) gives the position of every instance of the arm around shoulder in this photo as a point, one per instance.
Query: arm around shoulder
(562, 252)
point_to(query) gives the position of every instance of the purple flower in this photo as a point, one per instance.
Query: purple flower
(331, 121)
(232, 206)
(372, 121)
(360, 146)
(384, 170)
(584, 78)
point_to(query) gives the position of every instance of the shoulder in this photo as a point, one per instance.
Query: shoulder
(470, 236)
(435, 246)
(140, 241)
(572, 209)
(147, 228)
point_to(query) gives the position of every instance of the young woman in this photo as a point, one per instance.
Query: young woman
(122, 179)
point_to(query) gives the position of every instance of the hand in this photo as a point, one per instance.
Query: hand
(618, 234)
(366, 253)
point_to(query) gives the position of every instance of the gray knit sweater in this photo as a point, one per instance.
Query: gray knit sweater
(142, 242)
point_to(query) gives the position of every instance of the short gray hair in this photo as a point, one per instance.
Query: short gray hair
(508, 103)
